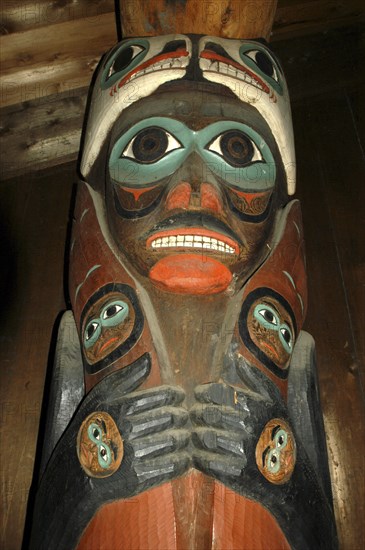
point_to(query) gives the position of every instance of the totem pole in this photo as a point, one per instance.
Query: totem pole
(184, 409)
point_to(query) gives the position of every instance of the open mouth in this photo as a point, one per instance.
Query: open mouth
(193, 238)
(215, 63)
(166, 61)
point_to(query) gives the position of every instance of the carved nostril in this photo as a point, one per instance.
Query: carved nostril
(210, 198)
(179, 197)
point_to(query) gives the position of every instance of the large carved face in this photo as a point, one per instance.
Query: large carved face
(196, 164)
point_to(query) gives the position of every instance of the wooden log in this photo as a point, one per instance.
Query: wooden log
(41, 62)
(24, 15)
(225, 18)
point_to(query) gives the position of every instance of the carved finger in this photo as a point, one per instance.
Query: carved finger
(155, 421)
(220, 441)
(160, 444)
(153, 398)
(221, 417)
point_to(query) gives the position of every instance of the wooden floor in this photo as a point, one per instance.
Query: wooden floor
(326, 77)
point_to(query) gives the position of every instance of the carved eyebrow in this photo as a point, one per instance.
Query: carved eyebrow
(275, 431)
(264, 456)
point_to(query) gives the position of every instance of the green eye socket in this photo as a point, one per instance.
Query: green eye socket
(263, 63)
(114, 313)
(91, 333)
(104, 453)
(125, 58)
(266, 316)
(281, 439)
(236, 148)
(151, 145)
(273, 461)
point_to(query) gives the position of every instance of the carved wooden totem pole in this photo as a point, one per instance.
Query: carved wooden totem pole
(184, 410)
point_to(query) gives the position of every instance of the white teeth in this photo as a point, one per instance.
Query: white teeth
(174, 63)
(228, 70)
(192, 241)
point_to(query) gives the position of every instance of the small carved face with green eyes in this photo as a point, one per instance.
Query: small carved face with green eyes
(108, 324)
(99, 445)
(271, 330)
(276, 452)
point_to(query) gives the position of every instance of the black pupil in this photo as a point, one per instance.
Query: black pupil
(268, 316)
(274, 459)
(96, 433)
(264, 63)
(237, 148)
(90, 331)
(150, 145)
(281, 440)
(102, 451)
(123, 59)
(112, 310)
(286, 336)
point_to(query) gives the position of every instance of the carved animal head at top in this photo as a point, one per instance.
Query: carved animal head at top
(189, 139)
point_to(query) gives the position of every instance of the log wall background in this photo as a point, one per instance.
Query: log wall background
(49, 51)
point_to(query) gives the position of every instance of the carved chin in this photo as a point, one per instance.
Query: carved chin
(190, 274)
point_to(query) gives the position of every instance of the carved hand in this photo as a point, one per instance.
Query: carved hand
(119, 443)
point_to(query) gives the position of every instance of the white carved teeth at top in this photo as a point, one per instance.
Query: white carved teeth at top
(174, 63)
(227, 70)
(192, 241)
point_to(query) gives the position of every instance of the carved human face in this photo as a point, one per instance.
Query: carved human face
(271, 330)
(191, 198)
(276, 452)
(99, 445)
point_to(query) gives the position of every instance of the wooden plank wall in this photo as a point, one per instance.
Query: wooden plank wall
(49, 51)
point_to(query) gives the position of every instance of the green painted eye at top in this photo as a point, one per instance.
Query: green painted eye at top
(155, 148)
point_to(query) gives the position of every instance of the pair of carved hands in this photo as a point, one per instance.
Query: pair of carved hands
(162, 439)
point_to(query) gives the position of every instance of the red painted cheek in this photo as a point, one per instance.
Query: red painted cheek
(179, 197)
(210, 198)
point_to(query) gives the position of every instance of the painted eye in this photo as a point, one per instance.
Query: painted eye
(96, 433)
(124, 59)
(111, 311)
(269, 316)
(103, 453)
(286, 338)
(286, 335)
(273, 461)
(92, 332)
(151, 145)
(236, 148)
(264, 63)
(114, 313)
(281, 439)
(91, 329)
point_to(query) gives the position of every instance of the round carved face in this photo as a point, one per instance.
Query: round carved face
(276, 452)
(109, 323)
(99, 445)
(192, 196)
(271, 330)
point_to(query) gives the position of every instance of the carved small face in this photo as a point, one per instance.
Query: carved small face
(276, 452)
(108, 324)
(271, 330)
(99, 445)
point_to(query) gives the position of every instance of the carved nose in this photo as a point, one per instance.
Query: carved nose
(200, 197)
